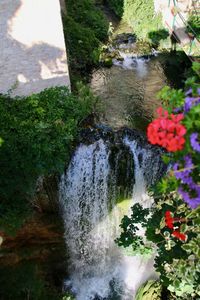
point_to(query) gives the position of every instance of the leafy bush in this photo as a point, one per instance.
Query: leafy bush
(157, 36)
(85, 27)
(38, 132)
(88, 15)
(81, 44)
(117, 6)
(194, 25)
(140, 15)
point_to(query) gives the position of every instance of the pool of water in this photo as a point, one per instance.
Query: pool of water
(128, 90)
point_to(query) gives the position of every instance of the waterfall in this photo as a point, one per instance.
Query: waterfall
(147, 171)
(132, 62)
(98, 268)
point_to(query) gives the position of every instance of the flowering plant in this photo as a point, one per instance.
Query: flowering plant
(172, 224)
(186, 163)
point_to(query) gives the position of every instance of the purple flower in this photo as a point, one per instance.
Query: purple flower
(185, 178)
(177, 109)
(194, 142)
(192, 202)
(190, 102)
(188, 92)
(183, 175)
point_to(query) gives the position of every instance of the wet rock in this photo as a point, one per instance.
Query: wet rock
(143, 48)
(46, 195)
(124, 38)
(93, 134)
(121, 153)
(108, 62)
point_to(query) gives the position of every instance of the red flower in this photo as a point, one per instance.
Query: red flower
(169, 220)
(179, 235)
(167, 131)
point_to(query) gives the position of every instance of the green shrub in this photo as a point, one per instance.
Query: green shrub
(88, 15)
(117, 6)
(194, 25)
(157, 36)
(85, 27)
(140, 15)
(37, 132)
(81, 44)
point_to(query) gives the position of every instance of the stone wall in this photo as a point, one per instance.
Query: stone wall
(32, 48)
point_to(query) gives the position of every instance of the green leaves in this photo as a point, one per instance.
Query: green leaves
(140, 15)
(151, 290)
(38, 132)
(130, 236)
(84, 28)
(117, 6)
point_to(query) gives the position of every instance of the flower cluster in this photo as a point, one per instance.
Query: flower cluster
(191, 101)
(167, 131)
(194, 141)
(186, 181)
(169, 222)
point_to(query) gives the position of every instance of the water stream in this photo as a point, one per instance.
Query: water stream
(98, 268)
(128, 90)
(104, 180)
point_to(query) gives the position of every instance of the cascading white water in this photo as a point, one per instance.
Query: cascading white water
(98, 268)
(131, 62)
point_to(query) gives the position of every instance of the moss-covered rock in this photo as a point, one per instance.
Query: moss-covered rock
(68, 296)
(108, 62)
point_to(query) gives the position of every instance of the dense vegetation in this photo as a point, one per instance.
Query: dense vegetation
(117, 6)
(139, 14)
(28, 282)
(85, 27)
(37, 133)
(193, 26)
